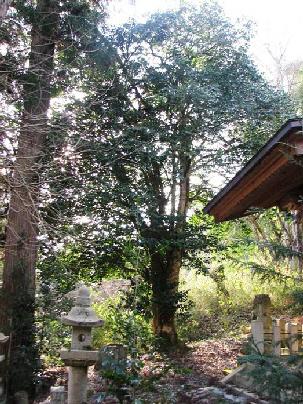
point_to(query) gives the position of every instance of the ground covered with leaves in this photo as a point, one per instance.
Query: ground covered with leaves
(191, 375)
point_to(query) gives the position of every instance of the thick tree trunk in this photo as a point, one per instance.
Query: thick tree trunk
(165, 281)
(18, 292)
(165, 267)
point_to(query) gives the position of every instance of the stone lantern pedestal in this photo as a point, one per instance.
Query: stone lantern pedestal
(82, 318)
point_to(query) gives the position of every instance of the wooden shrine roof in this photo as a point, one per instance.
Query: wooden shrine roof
(273, 177)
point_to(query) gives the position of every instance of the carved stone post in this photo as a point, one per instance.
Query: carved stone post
(82, 318)
(262, 312)
(276, 338)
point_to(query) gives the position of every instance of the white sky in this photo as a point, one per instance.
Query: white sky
(279, 24)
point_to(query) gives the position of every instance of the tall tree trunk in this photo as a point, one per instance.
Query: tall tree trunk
(18, 292)
(165, 280)
(165, 267)
(297, 227)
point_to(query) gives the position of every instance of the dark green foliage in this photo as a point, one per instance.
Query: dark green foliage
(295, 300)
(121, 374)
(51, 334)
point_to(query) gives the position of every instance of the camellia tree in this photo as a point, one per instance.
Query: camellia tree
(180, 91)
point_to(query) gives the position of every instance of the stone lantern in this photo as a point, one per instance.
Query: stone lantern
(82, 318)
(3, 340)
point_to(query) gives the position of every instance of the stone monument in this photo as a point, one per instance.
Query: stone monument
(262, 323)
(81, 318)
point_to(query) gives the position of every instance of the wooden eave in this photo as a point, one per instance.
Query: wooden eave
(273, 177)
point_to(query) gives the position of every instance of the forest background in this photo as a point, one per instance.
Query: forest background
(109, 139)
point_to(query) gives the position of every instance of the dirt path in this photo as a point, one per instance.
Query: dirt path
(188, 377)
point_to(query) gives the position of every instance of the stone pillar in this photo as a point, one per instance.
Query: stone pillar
(276, 338)
(77, 385)
(262, 311)
(283, 332)
(257, 330)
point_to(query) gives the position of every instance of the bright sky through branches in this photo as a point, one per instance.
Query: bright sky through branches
(279, 24)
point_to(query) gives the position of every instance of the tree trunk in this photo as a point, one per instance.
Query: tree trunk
(297, 246)
(165, 267)
(165, 280)
(18, 292)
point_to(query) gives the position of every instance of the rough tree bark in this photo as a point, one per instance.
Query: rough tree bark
(165, 280)
(297, 246)
(165, 267)
(18, 292)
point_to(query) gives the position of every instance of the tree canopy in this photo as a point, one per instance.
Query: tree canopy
(110, 139)
(179, 100)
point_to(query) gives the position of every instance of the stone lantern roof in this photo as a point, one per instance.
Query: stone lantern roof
(82, 315)
(3, 338)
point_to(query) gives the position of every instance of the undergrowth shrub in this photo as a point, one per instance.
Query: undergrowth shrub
(127, 319)
(122, 326)
(215, 315)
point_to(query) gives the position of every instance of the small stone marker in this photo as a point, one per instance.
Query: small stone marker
(112, 357)
(82, 318)
(57, 394)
